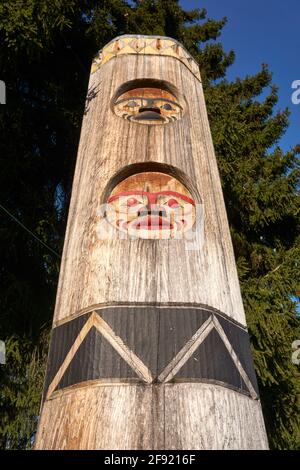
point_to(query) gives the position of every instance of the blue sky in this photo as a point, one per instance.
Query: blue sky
(262, 31)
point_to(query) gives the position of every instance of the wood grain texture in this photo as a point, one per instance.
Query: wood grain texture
(95, 271)
(99, 272)
(171, 416)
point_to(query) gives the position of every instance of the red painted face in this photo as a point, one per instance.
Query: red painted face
(151, 205)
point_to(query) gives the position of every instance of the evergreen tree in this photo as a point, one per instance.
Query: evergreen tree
(45, 55)
(260, 185)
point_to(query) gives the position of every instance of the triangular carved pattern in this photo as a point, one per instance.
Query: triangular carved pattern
(141, 370)
(144, 45)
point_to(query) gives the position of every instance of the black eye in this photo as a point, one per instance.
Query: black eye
(167, 107)
(132, 104)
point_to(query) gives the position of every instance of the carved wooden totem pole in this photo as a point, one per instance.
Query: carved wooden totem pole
(149, 348)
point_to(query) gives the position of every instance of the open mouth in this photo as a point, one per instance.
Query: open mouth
(149, 114)
(152, 223)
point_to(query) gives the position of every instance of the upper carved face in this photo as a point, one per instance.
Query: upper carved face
(148, 106)
(151, 205)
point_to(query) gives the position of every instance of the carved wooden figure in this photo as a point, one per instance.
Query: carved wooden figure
(149, 348)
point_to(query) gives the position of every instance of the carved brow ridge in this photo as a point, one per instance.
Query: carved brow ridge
(145, 193)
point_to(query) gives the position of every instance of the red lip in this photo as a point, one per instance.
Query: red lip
(153, 223)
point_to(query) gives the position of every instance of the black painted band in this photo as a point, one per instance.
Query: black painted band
(156, 336)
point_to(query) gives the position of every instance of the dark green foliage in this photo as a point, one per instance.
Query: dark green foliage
(45, 55)
(261, 186)
(21, 385)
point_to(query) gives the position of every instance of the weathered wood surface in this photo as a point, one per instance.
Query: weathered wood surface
(173, 416)
(96, 273)
(102, 271)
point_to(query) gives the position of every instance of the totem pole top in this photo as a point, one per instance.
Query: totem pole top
(145, 45)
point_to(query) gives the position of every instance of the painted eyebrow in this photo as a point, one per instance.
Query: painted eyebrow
(159, 193)
(152, 99)
(127, 193)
